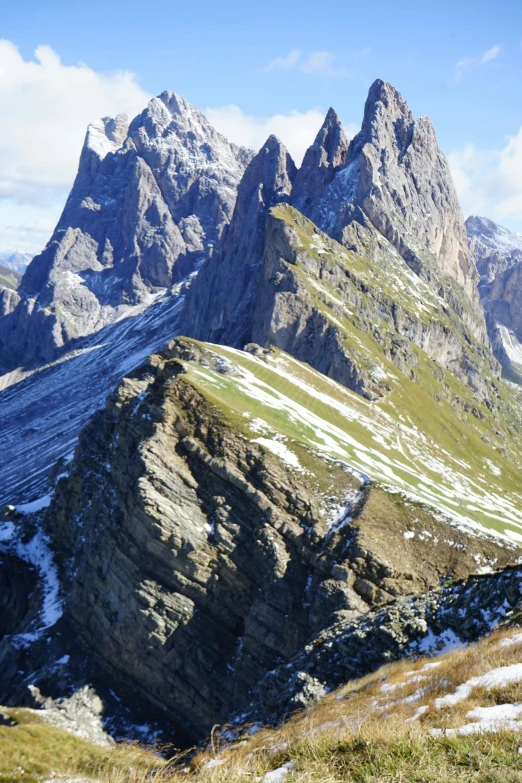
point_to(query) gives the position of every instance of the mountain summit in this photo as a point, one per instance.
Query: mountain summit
(386, 195)
(149, 203)
(397, 179)
(321, 162)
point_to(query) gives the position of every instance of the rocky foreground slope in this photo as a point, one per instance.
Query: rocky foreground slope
(227, 508)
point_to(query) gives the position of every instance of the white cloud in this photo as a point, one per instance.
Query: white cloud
(29, 237)
(296, 130)
(284, 63)
(490, 54)
(489, 182)
(320, 63)
(45, 107)
(469, 63)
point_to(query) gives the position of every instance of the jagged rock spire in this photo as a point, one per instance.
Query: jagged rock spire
(150, 201)
(218, 306)
(397, 180)
(320, 164)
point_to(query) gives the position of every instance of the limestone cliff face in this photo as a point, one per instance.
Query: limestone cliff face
(219, 305)
(397, 179)
(389, 198)
(150, 201)
(315, 301)
(195, 560)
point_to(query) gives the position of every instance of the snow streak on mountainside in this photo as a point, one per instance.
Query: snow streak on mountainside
(41, 416)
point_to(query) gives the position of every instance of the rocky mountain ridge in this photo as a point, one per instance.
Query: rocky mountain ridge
(215, 561)
(354, 200)
(148, 204)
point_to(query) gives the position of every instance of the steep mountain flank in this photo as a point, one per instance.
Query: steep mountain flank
(219, 304)
(389, 199)
(216, 518)
(149, 203)
(494, 248)
(498, 255)
(397, 179)
(324, 304)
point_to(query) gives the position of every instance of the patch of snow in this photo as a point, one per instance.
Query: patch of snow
(35, 505)
(418, 712)
(496, 678)
(444, 642)
(38, 553)
(279, 774)
(7, 530)
(281, 450)
(510, 641)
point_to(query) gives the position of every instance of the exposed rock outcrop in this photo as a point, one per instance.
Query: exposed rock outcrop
(439, 619)
(195, 560)
(397, 179)
(388, 198)
(321, 162)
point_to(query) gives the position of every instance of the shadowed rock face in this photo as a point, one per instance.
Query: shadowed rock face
(150, 201)
(219, 304)
(18, 601)
(195, 561)
(321, 162)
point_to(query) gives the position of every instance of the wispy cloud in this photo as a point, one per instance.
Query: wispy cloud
(317, 63)
(490, 54)
(284, 63)
(470, 63)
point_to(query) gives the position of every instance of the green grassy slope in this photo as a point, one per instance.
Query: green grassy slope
(405, 441)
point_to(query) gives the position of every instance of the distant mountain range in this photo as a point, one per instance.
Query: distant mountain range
(15, 260)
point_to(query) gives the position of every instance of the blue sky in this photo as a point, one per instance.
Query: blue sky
(458, 62)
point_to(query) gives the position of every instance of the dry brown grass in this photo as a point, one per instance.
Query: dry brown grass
(360, 733)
